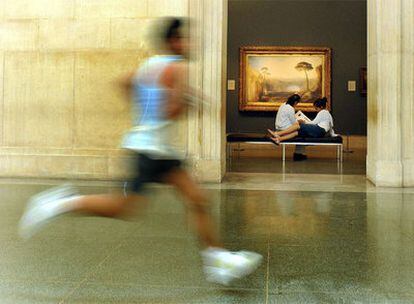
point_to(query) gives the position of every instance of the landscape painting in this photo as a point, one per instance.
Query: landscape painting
(269, 75)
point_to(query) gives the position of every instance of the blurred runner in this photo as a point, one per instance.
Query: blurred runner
(160, 95)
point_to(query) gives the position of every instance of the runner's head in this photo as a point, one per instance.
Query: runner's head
(175, 36)
(170, 35)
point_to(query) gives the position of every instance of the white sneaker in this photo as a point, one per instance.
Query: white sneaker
(43, 207)
(223, 267)
(50, 195)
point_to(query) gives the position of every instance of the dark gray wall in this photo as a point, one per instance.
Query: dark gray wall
(340, 25)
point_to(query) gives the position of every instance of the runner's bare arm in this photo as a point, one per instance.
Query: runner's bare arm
(174, 78)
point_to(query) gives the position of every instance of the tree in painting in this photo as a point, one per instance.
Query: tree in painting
(305, 67)
(264, 72)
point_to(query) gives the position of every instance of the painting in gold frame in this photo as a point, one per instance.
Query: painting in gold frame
(269, 75)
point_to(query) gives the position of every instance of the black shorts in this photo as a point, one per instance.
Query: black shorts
(313, 131)
(150, 170)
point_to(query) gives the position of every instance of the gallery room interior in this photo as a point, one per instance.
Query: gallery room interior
(258, 208)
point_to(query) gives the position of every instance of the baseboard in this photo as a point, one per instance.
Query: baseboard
(86, 164)
(408, 166)
(54, 163)
(386, 174)
(208, 170)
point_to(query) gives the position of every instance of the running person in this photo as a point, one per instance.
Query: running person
(158, 88)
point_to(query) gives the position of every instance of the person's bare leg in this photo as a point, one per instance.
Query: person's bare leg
(54, 202)
(197, 205)
(292, 128)
(272, 133)
(289, 136)
(109, 205)
(280, 139)
(219, 265)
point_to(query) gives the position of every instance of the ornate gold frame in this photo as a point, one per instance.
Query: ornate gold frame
(244, 105)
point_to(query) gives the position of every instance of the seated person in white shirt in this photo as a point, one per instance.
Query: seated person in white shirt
(285, 118)
(319, 127)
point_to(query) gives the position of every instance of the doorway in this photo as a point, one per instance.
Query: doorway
(299, 23)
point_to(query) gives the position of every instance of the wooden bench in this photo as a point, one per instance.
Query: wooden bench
(260, 138)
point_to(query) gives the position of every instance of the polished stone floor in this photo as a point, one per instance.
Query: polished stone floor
(353, 164)
(338, 241)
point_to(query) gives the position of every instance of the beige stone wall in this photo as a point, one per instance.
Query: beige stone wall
(390, 158)
(61, 113)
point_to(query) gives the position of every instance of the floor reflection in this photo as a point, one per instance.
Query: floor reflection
(358, 245)
(319, 247)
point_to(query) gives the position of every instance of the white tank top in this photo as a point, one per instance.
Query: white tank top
(151, 132)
